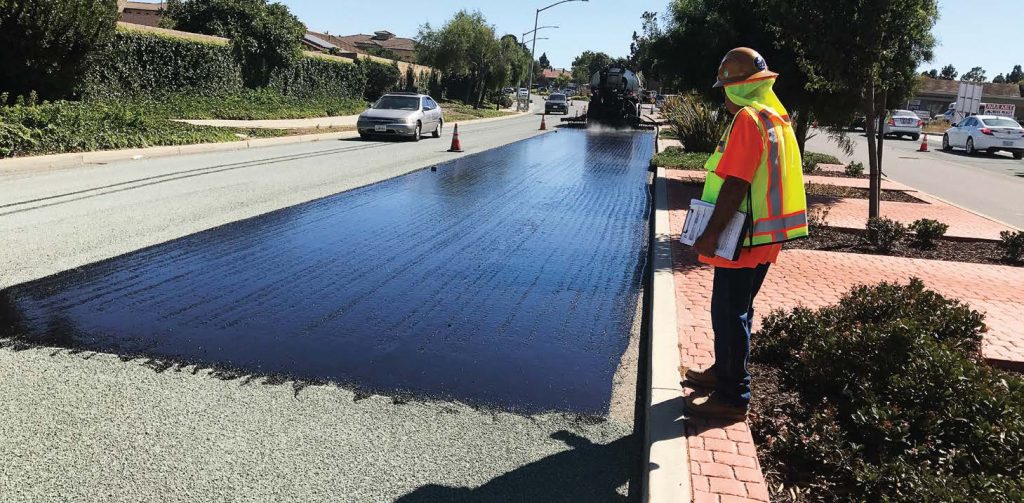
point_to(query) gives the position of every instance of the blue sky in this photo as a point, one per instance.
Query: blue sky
(607, 25)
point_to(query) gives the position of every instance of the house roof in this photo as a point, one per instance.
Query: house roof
(145, 6)
(393, 43)
(550, 73)
(319, 42)
(929, 85)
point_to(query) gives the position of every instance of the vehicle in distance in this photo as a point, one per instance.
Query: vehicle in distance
(401, 114)
(903, 123)
(557, 103)
(987, 133)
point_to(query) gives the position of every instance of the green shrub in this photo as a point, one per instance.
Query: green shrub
(883, 233)
(811, 160)
(142, 64)
(380, 78)
(926, 232)
(854, 169)
(64, 126)
(891, 401)
(250, 104)
(313, 77)
(698, 124)
(1012, 244)
(676, 158)
(46, 45)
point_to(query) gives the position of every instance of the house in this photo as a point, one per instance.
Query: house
(934, 95)
(380, 43)
(144, 13)
(315, 43)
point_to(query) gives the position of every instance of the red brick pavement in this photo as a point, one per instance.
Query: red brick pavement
(862, 183)
(723, 458)
(852, 214)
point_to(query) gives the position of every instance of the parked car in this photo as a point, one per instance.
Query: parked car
(401, 114)
(903, 123)
(859, 122)
(556, 103)
(988, 133)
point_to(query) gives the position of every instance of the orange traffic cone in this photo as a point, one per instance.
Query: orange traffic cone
(543, 126)
(456, 144)
(924, 143)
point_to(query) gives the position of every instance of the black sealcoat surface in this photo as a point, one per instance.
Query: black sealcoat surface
(508, 278)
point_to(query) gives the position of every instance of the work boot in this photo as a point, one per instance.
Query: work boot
(713, 407)
(703, 378)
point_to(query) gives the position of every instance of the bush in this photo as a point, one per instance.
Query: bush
(380, 78)
(248, 104)
(811, 160)
(142, 64)
(1012, 244)
(884, 234)
(48, 44)
(265, 37)
(698, 124)
(854, 169)
(891, 401)
(314, 77)
(64, 126)
(926, 231)
(675, 157)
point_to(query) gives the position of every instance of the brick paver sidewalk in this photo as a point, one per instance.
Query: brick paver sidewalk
(852, 214)
(723, 457)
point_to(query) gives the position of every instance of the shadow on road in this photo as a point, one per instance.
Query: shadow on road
(587, 472)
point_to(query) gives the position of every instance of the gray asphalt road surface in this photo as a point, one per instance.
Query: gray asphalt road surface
(992, 185)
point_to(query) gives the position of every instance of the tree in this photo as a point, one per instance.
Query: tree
(561, 81)
(642, 55)
(999, 79)
(948, 73)
(1015, 75)
(265, 37)
(870, 54)
(543, 61)
(587, 64)
(47, 44)
(977, 74)
(465, 50)
(933, 73)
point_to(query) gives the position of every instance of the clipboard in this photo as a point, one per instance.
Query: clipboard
(730, 243)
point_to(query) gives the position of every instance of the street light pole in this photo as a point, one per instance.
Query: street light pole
(533, 48)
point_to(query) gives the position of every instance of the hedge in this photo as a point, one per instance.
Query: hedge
(151, 65)
(315, 77)
(139, 64)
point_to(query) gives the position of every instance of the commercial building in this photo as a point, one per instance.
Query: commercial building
(935, 95)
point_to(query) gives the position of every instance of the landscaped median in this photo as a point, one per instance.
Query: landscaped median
(895, 393)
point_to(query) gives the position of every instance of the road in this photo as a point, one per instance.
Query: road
(992, 185)
(107, 410)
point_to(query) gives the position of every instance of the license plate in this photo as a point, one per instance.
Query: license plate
(380, 128)
(1007, 143)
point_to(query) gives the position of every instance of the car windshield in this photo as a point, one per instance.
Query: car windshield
(905, 113)
(1000, 122)
(556, 97)
(398, 103)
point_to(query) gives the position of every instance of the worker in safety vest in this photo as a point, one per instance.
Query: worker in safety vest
(755, 170)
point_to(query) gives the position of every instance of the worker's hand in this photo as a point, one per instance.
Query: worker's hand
(706, 244)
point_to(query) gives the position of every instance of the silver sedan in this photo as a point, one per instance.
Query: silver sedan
(401, 114)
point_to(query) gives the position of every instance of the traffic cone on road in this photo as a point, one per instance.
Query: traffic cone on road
(456, 144)
(543, 126)
(924, 143)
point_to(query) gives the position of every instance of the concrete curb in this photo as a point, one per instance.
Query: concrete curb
(667, 462)
(108, 156)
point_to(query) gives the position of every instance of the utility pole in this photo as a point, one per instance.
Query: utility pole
(533, 48)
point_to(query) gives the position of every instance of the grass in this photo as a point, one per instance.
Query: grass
(676, 158)
(668, 133)
(62, 127)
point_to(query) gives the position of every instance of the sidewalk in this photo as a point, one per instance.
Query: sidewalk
(722, 457)
(343, 121)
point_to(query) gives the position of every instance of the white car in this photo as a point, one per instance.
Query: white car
(904, 122)
(989, 133)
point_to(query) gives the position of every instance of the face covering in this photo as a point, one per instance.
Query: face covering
(758, 91)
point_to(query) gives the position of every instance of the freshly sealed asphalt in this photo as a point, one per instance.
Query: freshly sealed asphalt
(509, 278)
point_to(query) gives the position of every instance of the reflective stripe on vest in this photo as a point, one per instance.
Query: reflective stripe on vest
(779, 204)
